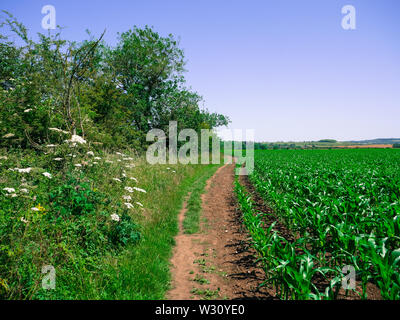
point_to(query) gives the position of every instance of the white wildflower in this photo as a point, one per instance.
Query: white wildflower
(90, 153)
(8, 135)
(24, 220)
(9, 190)
(51, 146)
(128, 205)
(129, 189)
(58, 130)
(127, 198)
(26, 170)
(124, 175)
(78, 165)
(3, 158)
(168, 168)
(139, 189)
(108, 161)
(116, 179)
(57, 159)
(127, 159)
(97, 158)
(118, 153)
(94, 162)
(76, 139)
(134, 179)
(138, 203)
(47, 175)
(34, 209)
(24, 190)
(115, 217)
(27, 110)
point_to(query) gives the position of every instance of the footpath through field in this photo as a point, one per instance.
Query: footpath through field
(216, 263)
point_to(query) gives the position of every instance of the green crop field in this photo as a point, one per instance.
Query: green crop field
(340, 208)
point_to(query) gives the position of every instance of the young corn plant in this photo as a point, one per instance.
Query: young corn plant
(343, 204)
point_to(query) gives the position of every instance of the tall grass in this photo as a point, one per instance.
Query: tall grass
(191, 222)
(102, 244)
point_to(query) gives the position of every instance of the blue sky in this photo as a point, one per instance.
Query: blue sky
(286, 68)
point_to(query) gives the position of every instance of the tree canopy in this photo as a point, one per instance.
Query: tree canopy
(113, 95)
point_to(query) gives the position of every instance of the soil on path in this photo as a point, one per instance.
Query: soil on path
(217, 262)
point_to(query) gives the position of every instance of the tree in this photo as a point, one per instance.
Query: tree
(149, 70)
(146, 67)
(94, 90)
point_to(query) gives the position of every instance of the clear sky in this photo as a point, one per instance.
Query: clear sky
(286, 68)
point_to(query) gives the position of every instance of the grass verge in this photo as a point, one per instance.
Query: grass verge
(105, 221)
(191, 223)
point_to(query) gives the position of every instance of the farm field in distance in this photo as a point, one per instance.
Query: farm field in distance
(329, 209)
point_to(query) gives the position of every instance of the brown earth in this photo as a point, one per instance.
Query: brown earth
(367, 146)
(216, 263)
(373, 292)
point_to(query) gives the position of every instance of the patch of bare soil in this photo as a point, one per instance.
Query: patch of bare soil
(367, 146)
(217, 263)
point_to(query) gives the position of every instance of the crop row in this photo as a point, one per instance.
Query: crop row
(342, 206)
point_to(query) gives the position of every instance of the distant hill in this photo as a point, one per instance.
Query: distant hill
(330, 143)
(376, 141)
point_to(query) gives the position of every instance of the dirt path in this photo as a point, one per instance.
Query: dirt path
(216, 263)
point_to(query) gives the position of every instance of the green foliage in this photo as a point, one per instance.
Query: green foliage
(191, 223)
(115, 95)
(73, 198)
(77, 218)
(124, 231)
(58, 220)
(344, 204)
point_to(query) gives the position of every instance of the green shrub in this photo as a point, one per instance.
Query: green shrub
(74, 198)
(124, 231)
